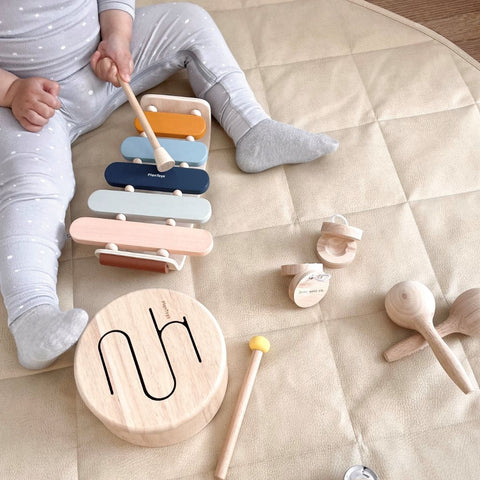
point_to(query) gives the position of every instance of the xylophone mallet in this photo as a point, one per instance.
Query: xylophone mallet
(259, 345)
(163, 159)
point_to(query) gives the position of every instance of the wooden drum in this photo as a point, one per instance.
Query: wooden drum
(152, 366)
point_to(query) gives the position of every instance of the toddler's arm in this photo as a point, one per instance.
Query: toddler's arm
(33, 100)
(113, 55)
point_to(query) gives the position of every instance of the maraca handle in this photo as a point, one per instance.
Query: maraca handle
(414, 343)
(447, 359)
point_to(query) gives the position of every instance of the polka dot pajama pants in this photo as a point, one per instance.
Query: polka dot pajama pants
(36, 176)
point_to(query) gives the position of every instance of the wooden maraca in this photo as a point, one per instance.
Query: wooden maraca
(411, 305)
(464, 318)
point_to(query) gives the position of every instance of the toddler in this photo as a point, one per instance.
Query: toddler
(59, 63)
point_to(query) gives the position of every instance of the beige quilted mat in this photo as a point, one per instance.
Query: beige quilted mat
(404, 104)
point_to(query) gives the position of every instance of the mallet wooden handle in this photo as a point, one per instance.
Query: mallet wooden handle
(162, 158)
(259, 345)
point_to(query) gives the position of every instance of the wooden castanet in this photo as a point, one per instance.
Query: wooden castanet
(152, 367)
(411, 305)
(309, 284)
(337, 245)
(464, 318)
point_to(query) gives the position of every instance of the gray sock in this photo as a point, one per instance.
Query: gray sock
(43, 333)
(271, 143)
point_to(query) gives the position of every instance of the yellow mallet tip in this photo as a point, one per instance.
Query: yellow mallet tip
(259, 343)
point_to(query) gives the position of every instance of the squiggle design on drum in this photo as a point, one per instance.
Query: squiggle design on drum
(134, 357)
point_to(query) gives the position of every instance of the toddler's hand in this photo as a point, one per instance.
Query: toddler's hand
(33, 101)
(111, 59)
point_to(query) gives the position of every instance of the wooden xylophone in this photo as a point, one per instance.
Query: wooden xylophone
(153, 229)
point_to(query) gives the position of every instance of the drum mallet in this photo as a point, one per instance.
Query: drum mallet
(259, 345)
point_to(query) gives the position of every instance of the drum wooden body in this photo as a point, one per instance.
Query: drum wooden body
(152, 367)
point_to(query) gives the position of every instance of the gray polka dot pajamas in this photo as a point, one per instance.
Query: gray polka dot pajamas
(55, 39)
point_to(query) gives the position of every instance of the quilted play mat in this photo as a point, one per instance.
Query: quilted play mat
(403, 103)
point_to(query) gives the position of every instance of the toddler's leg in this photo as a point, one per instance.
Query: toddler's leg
(171, 36)
(36, 185)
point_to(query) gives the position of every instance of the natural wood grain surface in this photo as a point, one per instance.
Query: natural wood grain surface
(410, 304)
(464, 318)
(162, 158)
(456, 20)
(259, 345)
(152, 366)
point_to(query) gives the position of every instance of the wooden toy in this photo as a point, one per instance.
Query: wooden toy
(464, 318)
(140, 245)
(309, 284)
(181, 105)
(152, 367)
(136, 261)
(182, 151)
(337, 245)
(411, 305)
(147, 177)
(148, 207)
(163, 159)
(259, 345)
(175, 125)
(140, 237)
(160, 262)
